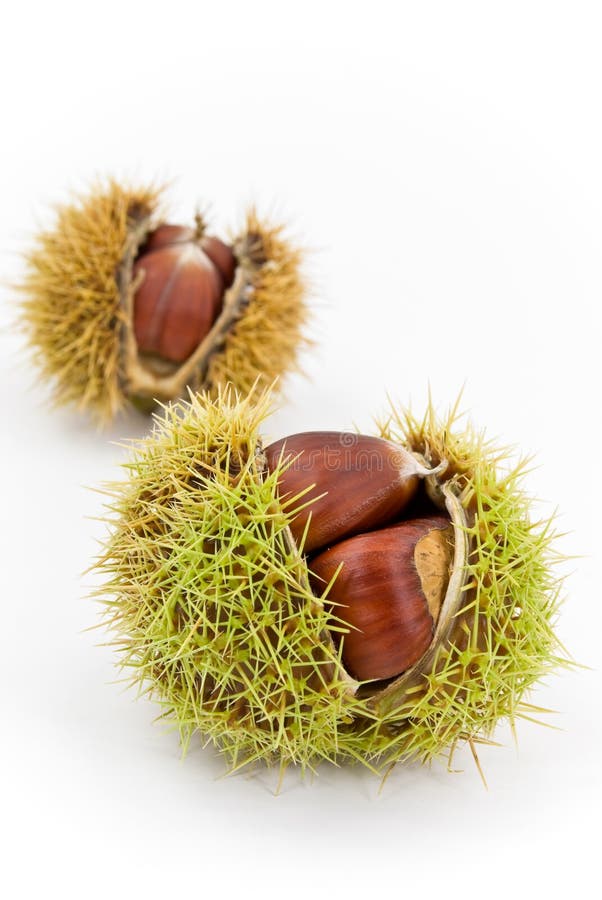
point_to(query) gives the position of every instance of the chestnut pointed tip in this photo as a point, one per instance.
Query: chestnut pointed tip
(165, 235)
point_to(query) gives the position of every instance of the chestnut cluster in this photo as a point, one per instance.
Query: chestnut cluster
(182, 276)
(369, 531)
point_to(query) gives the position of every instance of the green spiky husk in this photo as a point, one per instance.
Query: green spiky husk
(77, 308)
(209, 599)
(503, 641)
(211, 604)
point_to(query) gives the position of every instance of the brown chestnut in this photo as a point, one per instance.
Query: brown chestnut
(182, 283)
(389, 591)
(357, 483)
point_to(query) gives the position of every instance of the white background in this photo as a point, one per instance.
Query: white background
(443, 161)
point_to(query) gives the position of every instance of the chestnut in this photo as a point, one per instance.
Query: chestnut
(345, 483)
(388, 587)
(182, 279)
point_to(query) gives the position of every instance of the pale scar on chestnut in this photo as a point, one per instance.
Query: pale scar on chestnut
(433, 558)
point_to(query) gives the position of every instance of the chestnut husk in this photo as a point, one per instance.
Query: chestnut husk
(79, 290)
(209, 595)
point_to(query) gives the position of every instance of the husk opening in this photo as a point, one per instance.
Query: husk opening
(141, 380)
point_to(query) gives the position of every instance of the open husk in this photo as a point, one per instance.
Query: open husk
(209, 598)
(78, 297)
